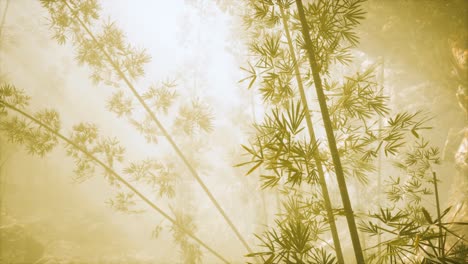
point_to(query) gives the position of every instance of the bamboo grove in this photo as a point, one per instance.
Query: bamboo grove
(323, 134)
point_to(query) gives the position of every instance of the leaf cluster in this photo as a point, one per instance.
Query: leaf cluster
(103, 47)
(416, 164)
(155, 174)
(282, 149)
(411, 240)
(332, 26)
(191, 252)
(85, 135)
(295, 237)
(124, 202)
(21, 131)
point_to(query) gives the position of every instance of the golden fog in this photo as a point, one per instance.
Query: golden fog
(55, 209)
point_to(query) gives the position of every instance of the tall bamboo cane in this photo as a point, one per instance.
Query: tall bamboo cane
(166, 134)
(331, 137)
(115, 175)
(323, 183)
(439, 220)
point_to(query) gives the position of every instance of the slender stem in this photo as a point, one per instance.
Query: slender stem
(2, 23)
(439, 220)
(331, 138)
(254, 119)
(323, 183)
(115, 175)
(164, 132)
(3, 179)
(379, 165)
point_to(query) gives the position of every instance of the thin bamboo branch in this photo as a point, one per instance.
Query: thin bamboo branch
(3, 179)
(2, 23)
(323, 183)
(164, 132)
(331, 137)
(379, 161)
(254, 120)
(115, 175)
(439, 220)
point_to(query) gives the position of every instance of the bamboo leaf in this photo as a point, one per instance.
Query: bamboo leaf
(427, 216)
(254, 167)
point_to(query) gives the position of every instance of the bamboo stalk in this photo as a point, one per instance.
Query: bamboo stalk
(3, 176)
(3, 179)
(379, 162)
(331, 138)
(323, 183)
(164, 132)
(115, 175)
(262, 194)
(439, 220)
(2, 23)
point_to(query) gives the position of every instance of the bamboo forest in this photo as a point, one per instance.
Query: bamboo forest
(233, 131)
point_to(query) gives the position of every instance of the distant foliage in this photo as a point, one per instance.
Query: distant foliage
(103, 48)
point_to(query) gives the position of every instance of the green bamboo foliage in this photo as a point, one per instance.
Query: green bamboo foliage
(355, 138)
(277, 64)
(326, 197)
(409, 233)
(114, 62)
(92, 154)
(316, 68)
(354, 108)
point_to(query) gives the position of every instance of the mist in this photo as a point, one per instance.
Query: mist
(64, 207)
